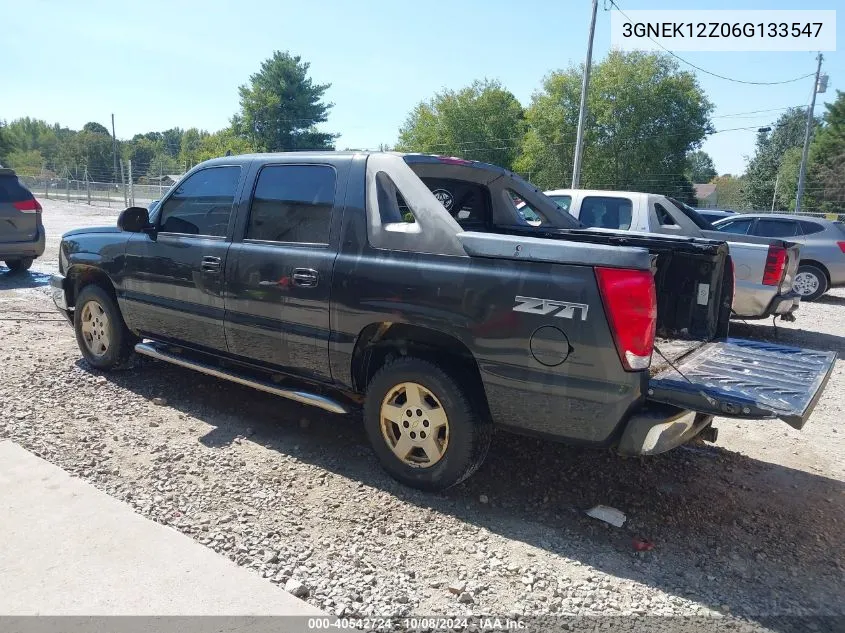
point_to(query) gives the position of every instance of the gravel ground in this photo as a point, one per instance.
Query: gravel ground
(747, 528)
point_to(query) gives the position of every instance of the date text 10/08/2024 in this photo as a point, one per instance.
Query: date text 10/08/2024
(422, 623)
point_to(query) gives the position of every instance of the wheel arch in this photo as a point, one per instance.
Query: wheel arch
(378, 343)
(817, 264)
(81, 275)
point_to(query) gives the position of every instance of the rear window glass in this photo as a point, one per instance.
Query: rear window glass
(11, 190)
(465, 201)
(606, 213)
(391, 205)
(737, 226)
(776, 228)
(564, 202)
(810, 227)
(293, 203)
(528, 213)
(663, 215)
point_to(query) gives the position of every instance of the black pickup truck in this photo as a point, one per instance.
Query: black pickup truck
(413, 287)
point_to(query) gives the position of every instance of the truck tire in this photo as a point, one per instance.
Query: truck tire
(103, 338)
(810, 282)
(424, 428)
(19, 265)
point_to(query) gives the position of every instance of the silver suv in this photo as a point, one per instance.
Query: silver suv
(822, 264)
(21, 229)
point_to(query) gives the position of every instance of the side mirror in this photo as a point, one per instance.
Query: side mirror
(134, 220)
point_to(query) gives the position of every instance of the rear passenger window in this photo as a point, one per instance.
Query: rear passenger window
(465, 201)
(293, 203)
(810, 227)
(525, 211)
(663, 215)
(736, 226)
(776, 228)
(202, 204)
(606, 213)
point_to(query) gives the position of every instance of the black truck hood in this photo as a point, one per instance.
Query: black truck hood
(91, 229)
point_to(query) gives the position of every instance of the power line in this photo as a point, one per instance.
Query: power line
(708, 72)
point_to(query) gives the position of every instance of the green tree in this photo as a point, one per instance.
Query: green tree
(825, 190)
(172, 140)
(96, 128)
(6, 144)
(645, 116)
(33, 134)
(786, 180)
(281, 107)
(141, 151)
(222, 141)
(480, 122)
(730, 192)
(761, 174)
(190, 146)
(163, 164)
(25, 161)
(700, 167)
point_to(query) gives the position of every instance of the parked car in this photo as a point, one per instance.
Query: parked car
(764, 268)
(298, 275)
(822, 264)
(22, 235)
(712, 215)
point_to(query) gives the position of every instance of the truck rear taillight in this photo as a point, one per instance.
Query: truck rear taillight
(841, 246)
(775, 266)
(28, 206)
(630, 303)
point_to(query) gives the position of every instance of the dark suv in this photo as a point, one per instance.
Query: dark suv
(21, 229)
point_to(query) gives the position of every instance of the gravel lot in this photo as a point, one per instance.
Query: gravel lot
(748, 528)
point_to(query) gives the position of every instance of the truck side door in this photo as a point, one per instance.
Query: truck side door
(278, 276)
(173, 277)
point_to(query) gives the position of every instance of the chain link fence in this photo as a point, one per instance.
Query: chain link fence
(119, 194)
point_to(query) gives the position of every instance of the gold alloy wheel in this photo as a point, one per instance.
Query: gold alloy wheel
(95, 328)
(414, 425)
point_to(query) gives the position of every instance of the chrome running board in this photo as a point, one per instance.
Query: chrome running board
(315, 400)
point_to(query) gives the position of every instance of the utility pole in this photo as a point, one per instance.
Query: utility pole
(775, 194)
(803, 173)
(114, 147)
(582, 111)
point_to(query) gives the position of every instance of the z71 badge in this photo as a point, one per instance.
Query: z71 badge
(565, 309)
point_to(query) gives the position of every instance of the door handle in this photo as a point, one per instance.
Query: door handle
(210, 264)
(305, 277)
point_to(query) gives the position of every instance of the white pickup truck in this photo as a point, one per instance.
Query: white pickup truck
(764, 268)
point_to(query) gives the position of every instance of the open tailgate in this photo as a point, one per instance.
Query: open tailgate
(746, 379)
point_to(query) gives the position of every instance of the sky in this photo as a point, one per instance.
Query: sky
(163, 64)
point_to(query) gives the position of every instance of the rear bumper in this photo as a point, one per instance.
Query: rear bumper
(756, 301)
(783, 304)
(659, 429)
(18, 250)
(57, 290)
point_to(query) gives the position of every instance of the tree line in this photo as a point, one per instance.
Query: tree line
(771, 179)
(280, 109)
(646, 122)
